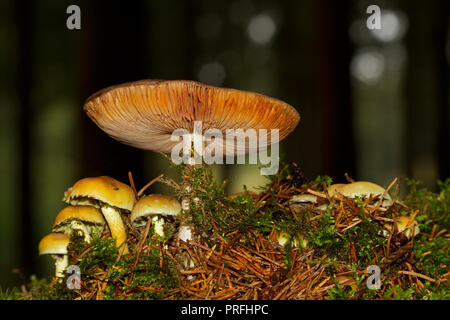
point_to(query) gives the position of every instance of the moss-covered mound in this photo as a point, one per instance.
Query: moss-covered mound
(264, 246)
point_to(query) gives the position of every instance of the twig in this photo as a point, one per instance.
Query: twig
(149, 184)
(133, 187)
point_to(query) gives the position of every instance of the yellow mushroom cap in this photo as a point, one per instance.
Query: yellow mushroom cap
(347, 281)
(82, 213)
(104, 189)
(403, 221)
(54, 243)
(154, 204)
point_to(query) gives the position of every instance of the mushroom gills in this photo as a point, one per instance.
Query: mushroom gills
(87, 229)
(85, 201)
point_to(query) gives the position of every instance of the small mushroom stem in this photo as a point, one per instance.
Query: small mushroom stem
(185, 201)
(158, 225)
(116, 226)
(61, 263)
(185, 234)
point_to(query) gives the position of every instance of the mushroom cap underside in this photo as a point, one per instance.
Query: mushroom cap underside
(87, 214)
(144, 114)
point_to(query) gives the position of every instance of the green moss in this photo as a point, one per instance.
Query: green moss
(398, 293)
(434, 207)
(211, 211)
(324, 239)
(339, 292)
(10, 294)
(103, 255)
(437, 262)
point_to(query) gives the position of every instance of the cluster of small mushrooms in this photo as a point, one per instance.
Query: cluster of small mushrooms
(99, 202)
(361, 189)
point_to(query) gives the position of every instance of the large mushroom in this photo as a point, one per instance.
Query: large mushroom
(145, 113)
(81, 219)
(55, 245)
(108, 195)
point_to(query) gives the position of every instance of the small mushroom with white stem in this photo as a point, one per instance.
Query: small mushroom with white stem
(79, 219)
(55, 245)
(157, 208)
(108, 195)
(185, 233)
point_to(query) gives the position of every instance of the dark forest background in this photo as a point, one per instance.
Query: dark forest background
(373, 104)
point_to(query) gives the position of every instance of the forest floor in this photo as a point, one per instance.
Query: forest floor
(262, 246)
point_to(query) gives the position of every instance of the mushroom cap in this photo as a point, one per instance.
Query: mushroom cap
(303, 198)
(334, 188)
(54, 243)
(82, 213)
(403, 221)
(104, 189)
(361, 189)
(154, 204)
(347, 281)
(144, 114)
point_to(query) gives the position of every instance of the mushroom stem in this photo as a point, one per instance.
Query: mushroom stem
(158, 225)
(196, 145)
(116, 226)
(186, 234)
(61, 263)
